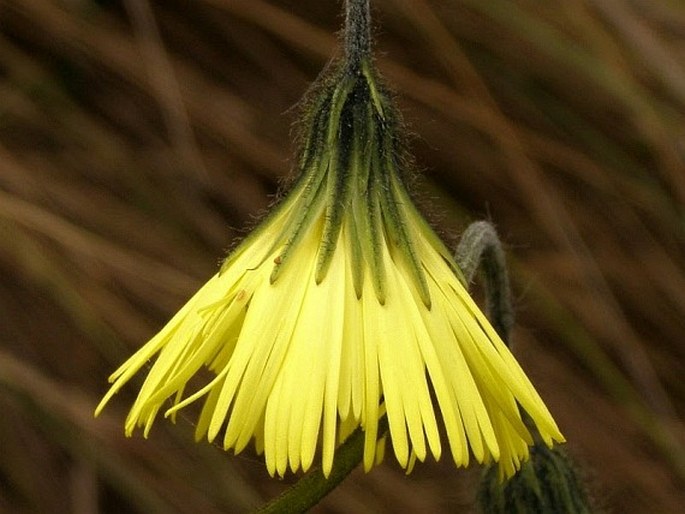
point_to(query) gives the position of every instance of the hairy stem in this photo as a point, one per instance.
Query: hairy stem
(357, 32)
(480, 247)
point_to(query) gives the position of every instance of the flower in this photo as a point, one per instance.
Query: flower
(342, 306)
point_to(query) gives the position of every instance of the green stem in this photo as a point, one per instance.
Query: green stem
(314, 486)
(357, 32)
(480, 247)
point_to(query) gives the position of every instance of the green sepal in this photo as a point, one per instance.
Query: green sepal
(396, 223)
(372, 222)
(359, 163)
(338, 183)
(311, 202)
(373, 89)
(426, 230)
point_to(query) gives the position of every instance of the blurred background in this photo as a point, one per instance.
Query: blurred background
(139, 139)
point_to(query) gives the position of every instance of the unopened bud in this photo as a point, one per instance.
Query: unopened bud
(547, 483)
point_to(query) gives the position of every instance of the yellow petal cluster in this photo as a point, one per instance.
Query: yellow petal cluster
(296, 362)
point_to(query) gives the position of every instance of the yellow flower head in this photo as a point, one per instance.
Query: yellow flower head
(342, 306)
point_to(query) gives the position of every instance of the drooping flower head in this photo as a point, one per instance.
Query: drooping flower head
(341, 307)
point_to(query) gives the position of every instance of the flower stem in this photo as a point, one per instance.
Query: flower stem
(481, 247)
(357, 32)
(313, 487)
(548, 482)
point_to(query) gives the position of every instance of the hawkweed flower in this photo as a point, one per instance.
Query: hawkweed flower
(341, 307)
